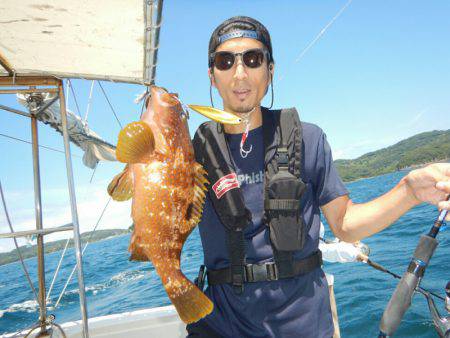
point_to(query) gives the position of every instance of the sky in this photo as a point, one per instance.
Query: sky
(378, 74)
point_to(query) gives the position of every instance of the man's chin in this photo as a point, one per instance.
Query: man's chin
(243, 109)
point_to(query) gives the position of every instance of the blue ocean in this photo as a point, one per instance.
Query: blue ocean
(114, 284)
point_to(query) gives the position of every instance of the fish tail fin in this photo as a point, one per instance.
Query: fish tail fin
(191, 303)
(137, 253)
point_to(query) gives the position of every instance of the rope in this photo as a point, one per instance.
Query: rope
(17, 246)
(57, 270)
(321, 33)
(74, 97)
(84, 249)
(110, 105)
(41, 146)
(93, 173)
(89, 101)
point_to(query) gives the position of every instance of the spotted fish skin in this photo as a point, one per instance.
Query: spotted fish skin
(168, 190)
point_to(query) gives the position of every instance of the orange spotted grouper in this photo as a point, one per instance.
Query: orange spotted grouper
(167, 187)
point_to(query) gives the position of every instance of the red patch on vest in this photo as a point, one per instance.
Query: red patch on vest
(225, 184)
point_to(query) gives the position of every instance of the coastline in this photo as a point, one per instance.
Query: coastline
(29, 251)
(408, 168)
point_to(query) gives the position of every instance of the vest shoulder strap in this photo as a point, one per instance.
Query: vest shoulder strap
(288, 157)
(290, 143)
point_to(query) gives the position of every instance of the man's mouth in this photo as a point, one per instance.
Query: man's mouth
(241, 94)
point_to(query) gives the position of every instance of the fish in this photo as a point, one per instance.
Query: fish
(167, 187)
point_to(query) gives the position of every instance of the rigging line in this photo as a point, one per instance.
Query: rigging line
(74, 97)
(84, 249)
(110, 105)
(321, 33)
(41, 146)
(89, 102)
(65, 249)
(67, 94)
(27, 275)
(93, 172)
(57, 270)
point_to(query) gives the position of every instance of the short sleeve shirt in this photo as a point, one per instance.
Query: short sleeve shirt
(294, 307)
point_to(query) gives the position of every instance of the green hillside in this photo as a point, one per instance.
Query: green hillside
(433, 146)
(30, 251)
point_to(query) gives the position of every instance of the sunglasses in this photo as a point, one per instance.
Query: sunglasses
(252, 58)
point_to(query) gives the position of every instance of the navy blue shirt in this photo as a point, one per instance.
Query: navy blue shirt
(295, 307)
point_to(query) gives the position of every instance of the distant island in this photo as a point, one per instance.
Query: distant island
(31, 250)
(418, 150)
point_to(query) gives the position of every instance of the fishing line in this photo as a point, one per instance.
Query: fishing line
(381, 268)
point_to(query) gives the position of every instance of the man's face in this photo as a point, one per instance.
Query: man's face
(241, 88)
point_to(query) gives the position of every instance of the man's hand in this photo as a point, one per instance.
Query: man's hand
(430, 184)
(352, 222)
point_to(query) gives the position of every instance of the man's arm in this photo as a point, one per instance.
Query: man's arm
(352, 222)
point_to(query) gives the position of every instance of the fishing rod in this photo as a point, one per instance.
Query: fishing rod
(381, 268)
(401, 298)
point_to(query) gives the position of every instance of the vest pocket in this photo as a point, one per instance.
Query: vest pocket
(282, 205)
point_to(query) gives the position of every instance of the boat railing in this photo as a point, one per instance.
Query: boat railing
(34, 86)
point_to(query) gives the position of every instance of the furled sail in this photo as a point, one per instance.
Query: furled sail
(94, 147)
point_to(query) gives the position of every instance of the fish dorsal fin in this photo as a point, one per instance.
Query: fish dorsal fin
(199, 193)
(136, 142)
(121, 186)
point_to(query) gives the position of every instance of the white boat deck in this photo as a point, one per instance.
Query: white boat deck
(155, 322)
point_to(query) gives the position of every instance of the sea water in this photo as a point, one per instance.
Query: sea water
(114, 284)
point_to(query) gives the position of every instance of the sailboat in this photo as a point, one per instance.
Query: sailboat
(44, 43)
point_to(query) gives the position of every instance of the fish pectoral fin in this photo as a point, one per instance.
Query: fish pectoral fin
(196, 208)
(121, 186)
(136, 142)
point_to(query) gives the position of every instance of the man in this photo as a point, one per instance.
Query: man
(252, 295)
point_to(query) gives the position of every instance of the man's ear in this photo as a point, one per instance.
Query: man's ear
(211, 77)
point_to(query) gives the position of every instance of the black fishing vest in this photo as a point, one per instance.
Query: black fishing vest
(283, 188)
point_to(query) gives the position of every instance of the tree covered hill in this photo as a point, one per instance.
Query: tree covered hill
(433, 146)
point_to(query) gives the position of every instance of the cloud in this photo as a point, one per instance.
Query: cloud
(91, 200)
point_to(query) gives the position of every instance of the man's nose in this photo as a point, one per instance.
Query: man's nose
(240, 72)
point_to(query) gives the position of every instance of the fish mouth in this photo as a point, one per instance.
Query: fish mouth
(165, 96)
(216, 114)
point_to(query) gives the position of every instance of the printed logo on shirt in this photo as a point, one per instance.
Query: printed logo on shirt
(225, 184)
(257, 177)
